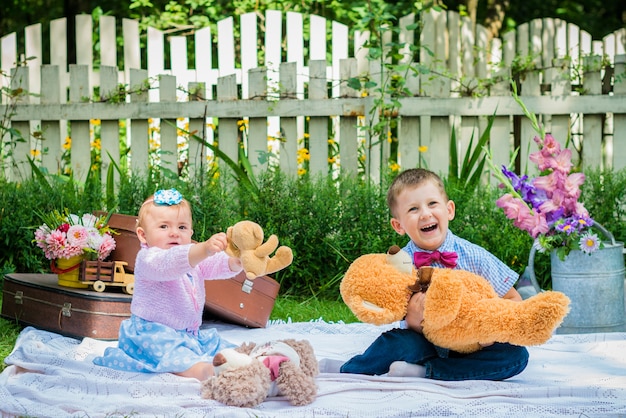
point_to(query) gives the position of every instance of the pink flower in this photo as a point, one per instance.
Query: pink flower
(548, 183)
(580, 210)
(77, 236)
(572, 184)
(563, 161)
(535, 223)
(106, 246)
(523, 218)
(550, 145)
(540, 159)
(511, 205)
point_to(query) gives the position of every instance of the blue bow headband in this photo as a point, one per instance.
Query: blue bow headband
(166, 197)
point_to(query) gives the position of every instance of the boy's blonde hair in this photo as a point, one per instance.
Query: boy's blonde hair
(412, 177)
(148, 204)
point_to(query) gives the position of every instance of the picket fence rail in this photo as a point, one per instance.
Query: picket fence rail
(299, 96)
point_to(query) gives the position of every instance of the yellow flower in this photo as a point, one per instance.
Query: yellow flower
(210, 125)
(389, 136)
(150, 120)
(35, 153)
(306, 135)
(97, 144)
(364, 93)
(395, 167)
(331, 141)
(303, 155)
(301, 171)
(95, 121)
(332, 160)
(423, 148)
(68, 143)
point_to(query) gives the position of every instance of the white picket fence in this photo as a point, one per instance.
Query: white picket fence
(300, 91)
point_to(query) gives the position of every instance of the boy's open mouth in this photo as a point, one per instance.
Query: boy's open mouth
(429, 228)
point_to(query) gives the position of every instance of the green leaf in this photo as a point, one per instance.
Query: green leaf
(39, 175)
(354, 83)
(243, 174)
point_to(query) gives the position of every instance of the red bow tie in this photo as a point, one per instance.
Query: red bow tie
(448, 259)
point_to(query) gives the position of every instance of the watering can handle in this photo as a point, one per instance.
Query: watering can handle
(530, 269)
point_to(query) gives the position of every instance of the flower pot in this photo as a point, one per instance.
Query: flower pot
(595, 285)
(68, 271)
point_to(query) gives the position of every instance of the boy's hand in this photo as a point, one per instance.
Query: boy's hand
(415, 312)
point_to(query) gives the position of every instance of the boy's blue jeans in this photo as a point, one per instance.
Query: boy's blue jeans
(495, 362)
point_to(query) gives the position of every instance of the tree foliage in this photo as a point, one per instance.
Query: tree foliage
(598, 17)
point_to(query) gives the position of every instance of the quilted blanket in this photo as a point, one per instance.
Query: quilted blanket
(582, 375)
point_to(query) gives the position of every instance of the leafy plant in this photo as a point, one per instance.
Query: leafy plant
(469, 173)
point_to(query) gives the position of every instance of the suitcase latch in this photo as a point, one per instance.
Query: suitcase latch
(19, 297)
(66, 310)
(247, 286)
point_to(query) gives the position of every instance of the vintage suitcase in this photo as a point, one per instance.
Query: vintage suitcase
(37, 300)
(126, 242)
(242, 301)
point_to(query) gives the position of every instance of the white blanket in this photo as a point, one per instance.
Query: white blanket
(570, 376)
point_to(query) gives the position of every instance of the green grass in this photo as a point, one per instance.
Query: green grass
(300, 310)
(8, 334)
(286, 308)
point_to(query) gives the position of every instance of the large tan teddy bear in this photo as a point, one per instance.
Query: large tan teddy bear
(245, 241)
(461, 309)
(247, 375)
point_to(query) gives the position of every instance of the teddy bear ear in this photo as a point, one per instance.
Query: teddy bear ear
(257, 231)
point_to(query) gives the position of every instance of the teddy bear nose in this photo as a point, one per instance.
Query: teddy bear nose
(219, 359)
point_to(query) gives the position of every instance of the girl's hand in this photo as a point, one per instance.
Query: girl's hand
(216, 243)
(208, 248)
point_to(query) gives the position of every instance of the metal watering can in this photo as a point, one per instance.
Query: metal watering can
(593, 282)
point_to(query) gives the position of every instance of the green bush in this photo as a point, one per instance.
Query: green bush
(328, 223)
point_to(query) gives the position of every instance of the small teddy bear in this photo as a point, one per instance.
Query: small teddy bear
(247, 375)
(245, 241)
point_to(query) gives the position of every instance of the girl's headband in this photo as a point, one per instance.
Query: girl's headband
(166, 197)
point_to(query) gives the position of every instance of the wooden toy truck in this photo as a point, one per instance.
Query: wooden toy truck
(100, 274)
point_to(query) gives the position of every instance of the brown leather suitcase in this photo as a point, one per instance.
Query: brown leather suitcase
(242, 301)
(37, 300)
(126, 242)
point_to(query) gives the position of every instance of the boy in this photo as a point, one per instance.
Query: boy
(421, 209)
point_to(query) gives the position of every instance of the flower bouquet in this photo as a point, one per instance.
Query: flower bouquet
(588, 271)
(547, 206)
(67, 239)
